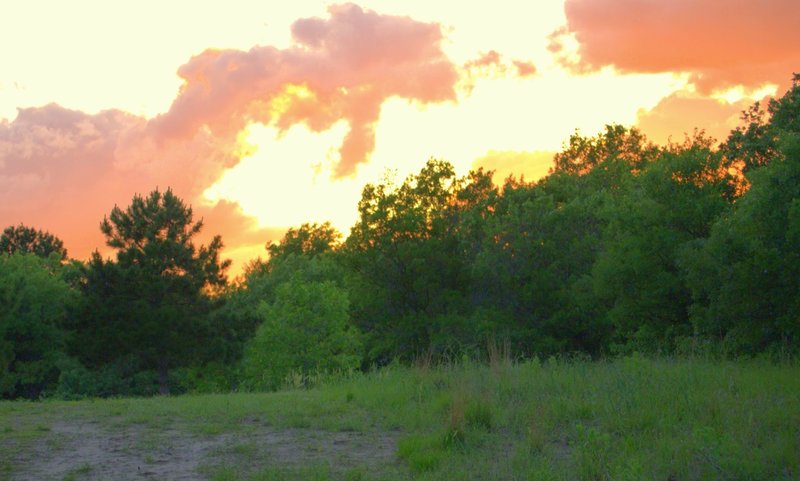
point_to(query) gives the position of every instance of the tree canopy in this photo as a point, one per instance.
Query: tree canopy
(27, 240)
(34, 302)
(151, 303)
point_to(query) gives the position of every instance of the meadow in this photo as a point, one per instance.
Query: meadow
(632, 418)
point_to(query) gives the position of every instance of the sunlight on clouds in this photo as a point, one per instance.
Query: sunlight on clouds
(468, 30)
(288, 180)
(738, 93)
(509, 114)
(284, 101)
(94, 55)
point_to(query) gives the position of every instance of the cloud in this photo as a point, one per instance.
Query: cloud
(680, 113)
(720, 44)
(524, 69)
(487, 60)
(492, 65)
(64, 170)
(342, 67)
(530, 165)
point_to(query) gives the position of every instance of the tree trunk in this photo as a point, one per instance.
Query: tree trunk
(163, 377)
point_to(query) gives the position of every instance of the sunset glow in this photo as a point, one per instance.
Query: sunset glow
(265, 115)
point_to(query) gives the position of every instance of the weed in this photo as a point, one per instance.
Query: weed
(248, 451)
(356, 474)
(77, 473)
(225, 473)
(499, 355)
(593, 453)
(422, 453)
(479, 414)
(535, 435)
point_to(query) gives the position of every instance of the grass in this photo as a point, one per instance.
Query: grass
(626, 419)
(77, 473)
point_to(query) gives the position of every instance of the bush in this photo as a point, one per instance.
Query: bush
(33, 306)
(210, 378)
(305, 331)
(121, 378)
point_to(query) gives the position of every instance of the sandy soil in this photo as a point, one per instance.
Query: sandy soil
(75, 450)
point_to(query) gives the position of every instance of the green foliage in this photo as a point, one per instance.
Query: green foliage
(422, 453)
(671, 203)
(211, 377)
(538, 248)
(242, 311)
(305, 330)
(744, 278)
(152, 303)
(408, 253)
(535, 264)
(27, 240)
(154, 235)
(480, 414)
(122, 377)
(617, 145)
(757, 142)
(308, 239)
(33, 306)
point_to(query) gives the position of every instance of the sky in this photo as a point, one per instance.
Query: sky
(264, 115)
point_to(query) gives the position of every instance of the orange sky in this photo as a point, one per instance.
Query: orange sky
(264, 115)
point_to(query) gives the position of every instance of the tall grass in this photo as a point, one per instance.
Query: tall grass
(627, 419)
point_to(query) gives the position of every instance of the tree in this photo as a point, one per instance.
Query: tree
(33, 306)
(305, 330)
(152, 303)
(540, 244)
(757, 142)
(670, 204)
(406, 250)
(27, 240)
(617, 144)
(308, 239)
(304, 254)
(745, 277)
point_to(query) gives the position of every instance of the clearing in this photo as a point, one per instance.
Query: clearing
(626, 419)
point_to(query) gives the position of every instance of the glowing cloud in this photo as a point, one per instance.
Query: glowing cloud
(525, 69)
(720, 44)
(681, 113)
(343, 67)
(63, 170)
(491, 65)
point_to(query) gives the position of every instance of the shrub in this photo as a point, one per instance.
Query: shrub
(305, 331)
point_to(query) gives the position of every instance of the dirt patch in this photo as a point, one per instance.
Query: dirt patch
(75, 450)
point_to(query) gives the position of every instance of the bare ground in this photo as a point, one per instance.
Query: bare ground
(86, 450)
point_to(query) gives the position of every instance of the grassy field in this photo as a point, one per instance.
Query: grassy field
(627, 419)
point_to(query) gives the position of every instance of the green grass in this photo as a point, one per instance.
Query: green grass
(627, 419)
(78, 473)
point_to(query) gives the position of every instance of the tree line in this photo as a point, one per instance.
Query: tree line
(626, 246)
